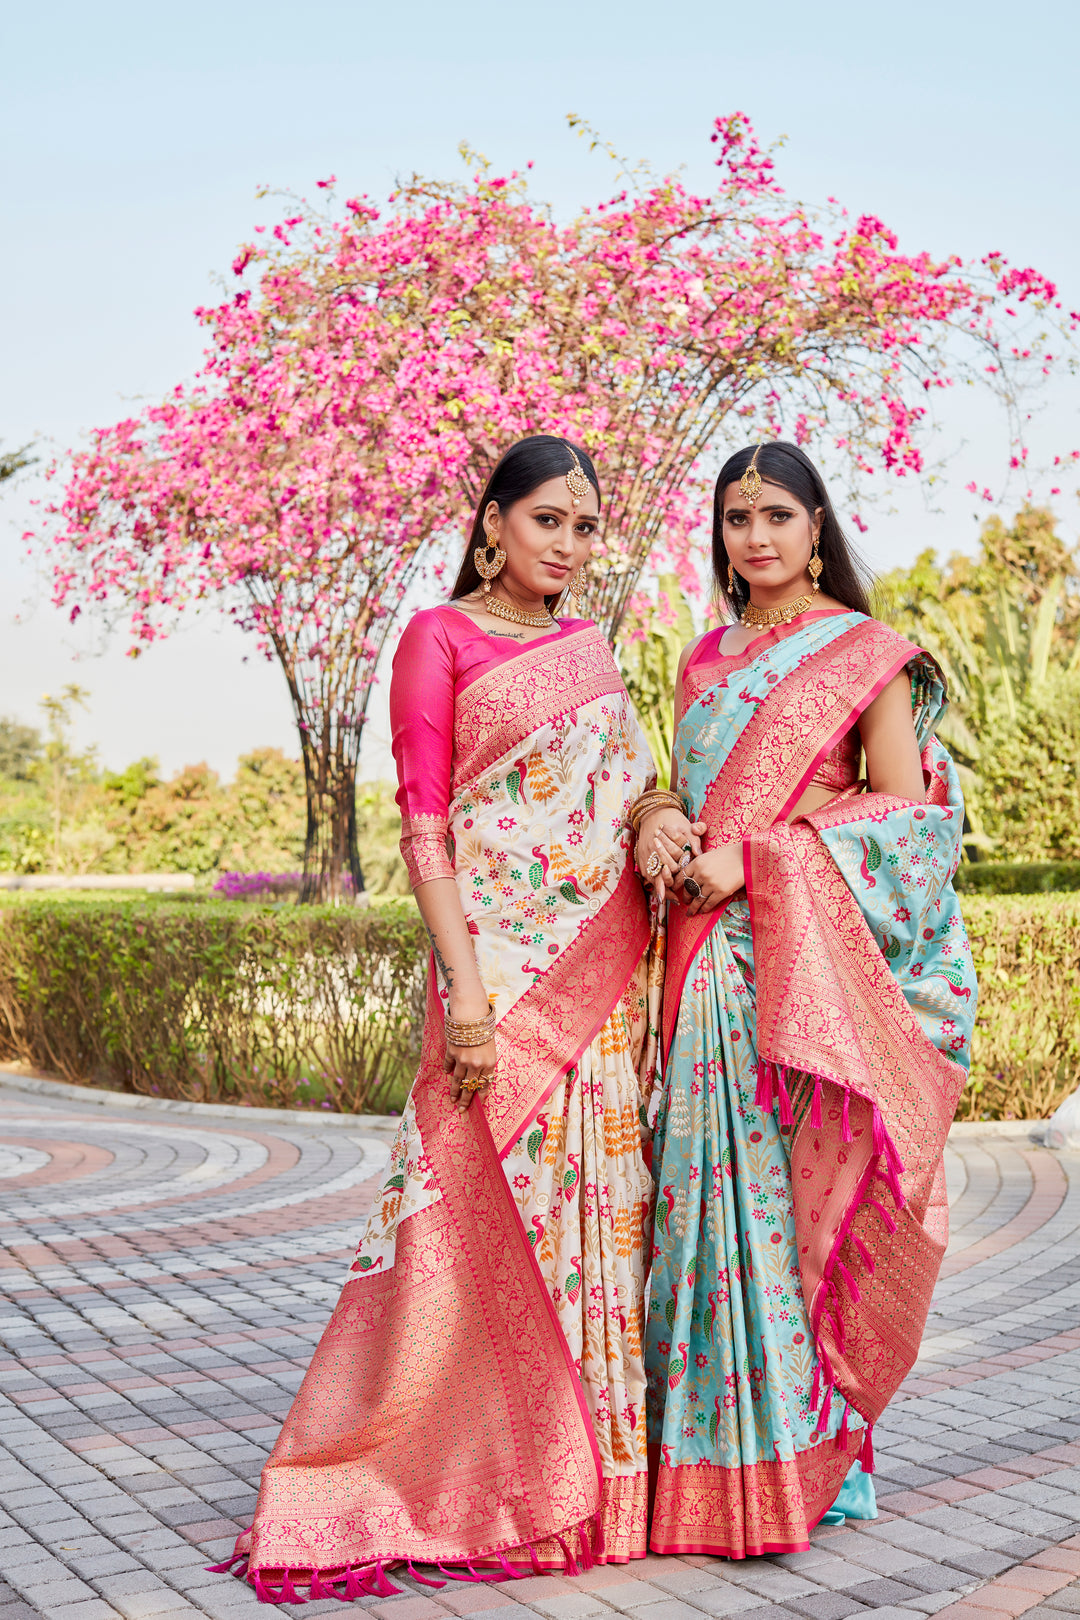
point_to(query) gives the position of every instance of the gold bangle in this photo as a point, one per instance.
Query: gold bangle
(652, 800)
(476, 1032)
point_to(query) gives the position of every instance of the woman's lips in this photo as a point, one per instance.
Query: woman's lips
(556, 568)
(760, 562)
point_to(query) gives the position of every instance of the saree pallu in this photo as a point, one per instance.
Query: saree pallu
(816, 1041)
(477, 1399)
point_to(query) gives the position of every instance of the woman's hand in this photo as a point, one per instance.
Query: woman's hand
(718, 874)
(468, 1064)
(667, 834)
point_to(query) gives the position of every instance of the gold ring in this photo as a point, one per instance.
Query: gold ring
(653, 865)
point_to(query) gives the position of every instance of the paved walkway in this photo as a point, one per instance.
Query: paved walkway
(166, 1276)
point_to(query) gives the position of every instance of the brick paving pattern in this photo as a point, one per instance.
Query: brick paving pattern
(166, 1275)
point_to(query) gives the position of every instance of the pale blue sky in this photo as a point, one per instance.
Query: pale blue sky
(133, 137)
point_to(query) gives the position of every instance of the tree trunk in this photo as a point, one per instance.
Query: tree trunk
(332, 872)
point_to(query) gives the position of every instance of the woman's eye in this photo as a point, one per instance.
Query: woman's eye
(781, 517)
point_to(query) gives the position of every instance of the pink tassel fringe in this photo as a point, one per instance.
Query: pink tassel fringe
(426, 1580)
(815, 1106)
(569, 1568)
(849, 1282)
(845, 1124)
(866, 1455)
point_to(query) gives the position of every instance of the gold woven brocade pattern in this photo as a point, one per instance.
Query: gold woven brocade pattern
(424, 848)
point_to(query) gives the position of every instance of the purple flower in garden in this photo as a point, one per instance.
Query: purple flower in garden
(264, 885)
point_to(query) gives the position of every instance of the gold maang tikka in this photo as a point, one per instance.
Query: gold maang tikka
(576, 481)
(750, 482)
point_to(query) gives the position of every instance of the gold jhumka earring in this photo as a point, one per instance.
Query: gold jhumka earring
(579, 585)
(750, 482)
(730, 579)
(815, 565)
(489, 566)
(576, 480)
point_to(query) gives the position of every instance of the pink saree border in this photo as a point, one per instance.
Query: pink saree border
(533, 1469)
(542, 1035)
(783, 743)
(871, 1099)
(502, 709)
(747, 1511)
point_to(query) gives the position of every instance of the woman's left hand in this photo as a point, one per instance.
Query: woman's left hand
(718, 873)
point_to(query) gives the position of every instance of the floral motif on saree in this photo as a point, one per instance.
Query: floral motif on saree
(477, 1399)
(816, 1031)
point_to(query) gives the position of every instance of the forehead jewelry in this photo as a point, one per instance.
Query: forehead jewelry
(576, 481)
(750, 482)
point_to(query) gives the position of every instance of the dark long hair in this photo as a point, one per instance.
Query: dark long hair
(521, 469)
(844, 575)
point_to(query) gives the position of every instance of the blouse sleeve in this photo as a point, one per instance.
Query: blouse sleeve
(422, 733)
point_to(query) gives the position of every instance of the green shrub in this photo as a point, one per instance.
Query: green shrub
(217, 1002)
(1018, 877)
(1026, 1050)
(295, 1006)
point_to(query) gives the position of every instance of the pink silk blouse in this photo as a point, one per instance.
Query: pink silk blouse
(840, 768)
(441, 653)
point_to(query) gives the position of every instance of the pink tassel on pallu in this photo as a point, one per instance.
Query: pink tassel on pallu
(425, 1580)
(815, 1106)
(569, 1568)
(466, 1574)
(226, 1568)
(263, 1592)
(839, 1331)
(598, 1527)
(583, 1544)
(764, 1095)
(895, 1171)
(533, 1559)
(849, 1282)
(842, 1434)
(324, 1589)
(826, 1408)
(845, 1124)
(890, 1224)
(358, 1584)
(383, 1587)
(867, 1257)
(866, 1455)
(879, 1132)
(514, 1574)
(786, 1116)
(815, 1387)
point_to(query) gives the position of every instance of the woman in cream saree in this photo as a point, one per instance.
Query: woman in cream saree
(477, 1400)
(819, 1000)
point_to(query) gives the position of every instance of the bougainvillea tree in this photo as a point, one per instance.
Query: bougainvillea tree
(372, 366)
(282, 486)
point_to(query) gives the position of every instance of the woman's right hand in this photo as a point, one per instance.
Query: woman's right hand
(470, 1063)
(662, 832)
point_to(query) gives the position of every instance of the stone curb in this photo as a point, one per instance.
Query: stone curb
(12, 1079)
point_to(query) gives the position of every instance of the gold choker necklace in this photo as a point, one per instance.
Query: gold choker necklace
(507, 610)
(756, 618)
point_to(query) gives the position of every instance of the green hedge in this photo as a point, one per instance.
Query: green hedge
(1026, 1051)
(216, 1001)
(1018, 877)
(296, 1006)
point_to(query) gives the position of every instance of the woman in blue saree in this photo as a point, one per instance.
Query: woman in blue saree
(819, 1001)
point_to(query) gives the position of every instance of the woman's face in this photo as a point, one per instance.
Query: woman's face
(769, 543)
(546, 541)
